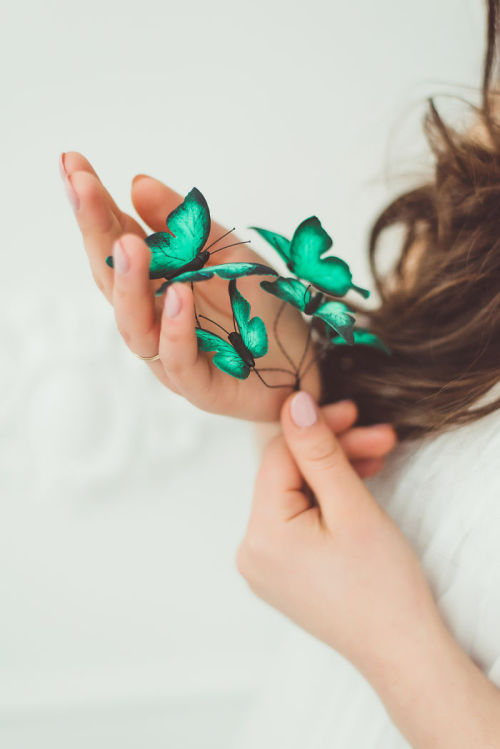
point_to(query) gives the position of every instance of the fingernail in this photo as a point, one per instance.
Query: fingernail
(140, 176)
(346, 400)
(71, 193)
(120, 259)
(303, 409)
(62, 168)
(172, 302)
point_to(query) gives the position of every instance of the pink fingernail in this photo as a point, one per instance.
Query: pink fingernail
(172, 302)
(71, 193)
(120, 259)
(303, 409)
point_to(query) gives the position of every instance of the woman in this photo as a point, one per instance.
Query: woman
(398, 576)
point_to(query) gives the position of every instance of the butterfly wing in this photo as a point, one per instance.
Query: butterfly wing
(309, 242)
(333, 276)
(226, 358)
(330, 274)
(336, 315)
(226, 271)
(162, 258)
(363, 336)
(289, 290)
(188, 229)
(281, 244)
(252, 331)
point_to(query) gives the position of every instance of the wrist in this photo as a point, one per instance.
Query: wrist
(436, 695)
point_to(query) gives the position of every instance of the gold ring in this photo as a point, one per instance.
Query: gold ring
(147, 358)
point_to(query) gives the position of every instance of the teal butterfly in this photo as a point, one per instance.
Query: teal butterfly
(179, 251)
(334, 314)
(245, 344)
(363, 336)
(303, 257)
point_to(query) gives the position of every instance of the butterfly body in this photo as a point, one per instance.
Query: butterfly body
(314, 303)
(236, 341)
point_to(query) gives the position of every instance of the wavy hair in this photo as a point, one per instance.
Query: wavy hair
(439, 309)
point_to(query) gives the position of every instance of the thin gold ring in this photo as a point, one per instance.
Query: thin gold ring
(147, 358)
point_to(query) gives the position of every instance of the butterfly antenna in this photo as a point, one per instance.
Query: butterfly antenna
(204, 317)
(247, 241)
(219, 239)
(278, 341)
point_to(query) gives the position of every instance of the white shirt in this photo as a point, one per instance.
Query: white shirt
(444, 493)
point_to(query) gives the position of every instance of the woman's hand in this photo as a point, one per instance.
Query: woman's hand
(341, 568)
(151, 325)
(364, 446)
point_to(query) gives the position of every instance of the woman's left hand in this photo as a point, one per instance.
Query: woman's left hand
(341, 568)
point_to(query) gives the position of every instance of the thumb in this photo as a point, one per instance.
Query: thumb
(320, 458)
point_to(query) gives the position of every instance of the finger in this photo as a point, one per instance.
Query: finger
(98, 224)
(340, 416)
(133, 301)
(368, 442)
(320, 458)
(279, 485)
(186, 367)
(71, 162)
(367, 467)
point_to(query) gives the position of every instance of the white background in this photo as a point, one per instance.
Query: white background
(123, 621)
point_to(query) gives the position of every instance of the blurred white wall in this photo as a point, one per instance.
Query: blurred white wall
(123, 622)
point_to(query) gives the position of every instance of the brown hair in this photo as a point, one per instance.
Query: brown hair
(442, 323)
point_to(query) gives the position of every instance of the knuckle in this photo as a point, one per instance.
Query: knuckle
(324, 455)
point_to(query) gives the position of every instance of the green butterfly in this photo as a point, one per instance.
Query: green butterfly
(294, 292)
(303, 257)
(363, 336)
(246, 343)
(178, 253)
